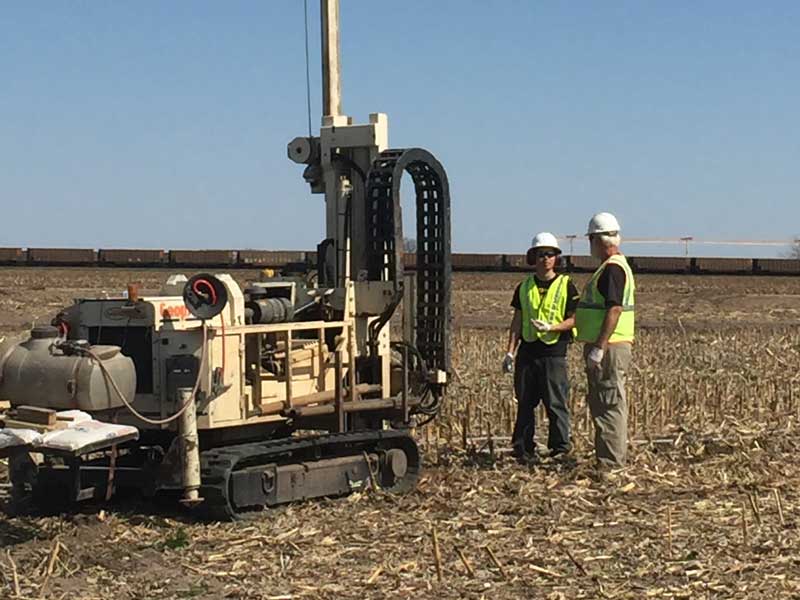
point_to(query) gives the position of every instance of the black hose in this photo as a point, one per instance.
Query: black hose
(430, 408)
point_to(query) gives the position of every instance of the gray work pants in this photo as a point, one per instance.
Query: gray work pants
(608, 404)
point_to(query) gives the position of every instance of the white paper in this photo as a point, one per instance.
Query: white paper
(10, 437)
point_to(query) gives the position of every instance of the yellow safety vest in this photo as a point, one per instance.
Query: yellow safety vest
(591, 311)
(549, 309)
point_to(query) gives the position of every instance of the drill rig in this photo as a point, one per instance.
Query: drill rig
(238, 399)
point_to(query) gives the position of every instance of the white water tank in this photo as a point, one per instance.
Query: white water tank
(37, 372)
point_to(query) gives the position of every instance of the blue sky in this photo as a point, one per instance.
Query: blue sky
(164, 124)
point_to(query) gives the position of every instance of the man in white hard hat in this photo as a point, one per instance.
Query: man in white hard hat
(605, 323)
(541, 328)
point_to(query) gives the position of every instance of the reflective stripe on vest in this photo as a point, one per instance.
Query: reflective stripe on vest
(549, 309)
(591, 310)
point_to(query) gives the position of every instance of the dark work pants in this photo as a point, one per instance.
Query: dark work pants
(535, 380)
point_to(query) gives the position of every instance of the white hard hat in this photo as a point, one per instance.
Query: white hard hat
(603, 223)
(545, 240)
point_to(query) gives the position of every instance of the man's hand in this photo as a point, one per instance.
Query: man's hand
(594, 359)
(508, 362)
(541, 325)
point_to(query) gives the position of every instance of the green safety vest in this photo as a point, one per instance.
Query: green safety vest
(591, 311)
(549, 309)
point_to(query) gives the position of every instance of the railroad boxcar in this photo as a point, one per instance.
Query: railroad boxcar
(582, 264)
(269, 258)
(12, 256)
(723, 266)
(410, 260)
(777, 266)
(62, 256)
(476, 262)
(121, 257)
(202, 258)
(660, 264)
(515, 262)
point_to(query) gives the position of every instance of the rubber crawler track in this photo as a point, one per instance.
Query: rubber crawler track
(217, 465)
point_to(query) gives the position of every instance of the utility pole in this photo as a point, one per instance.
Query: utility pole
(686, 241)
(571, 239)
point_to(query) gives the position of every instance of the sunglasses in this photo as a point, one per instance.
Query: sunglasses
(546, 254)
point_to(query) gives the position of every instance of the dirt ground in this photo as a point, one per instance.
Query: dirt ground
(702, 302)
(708, 508)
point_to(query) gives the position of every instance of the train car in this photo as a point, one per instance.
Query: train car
(477, 262)
(203, 258)
(723, 266)
(410, 260)
(660, 264)
(269, 258)
(120, 257)
(515, 262)
(777, 266)
(62, 256)
(582, 264)
(12, 256)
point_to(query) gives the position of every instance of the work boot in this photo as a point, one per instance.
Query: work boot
(562, 459)
(605, 475)
(559, 453)
(519, 451)
(528, 459)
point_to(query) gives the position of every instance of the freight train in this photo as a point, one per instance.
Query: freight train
(116, 257)
(257, 259)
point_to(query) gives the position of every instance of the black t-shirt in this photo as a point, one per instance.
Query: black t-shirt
(611, 285)
(539, 349)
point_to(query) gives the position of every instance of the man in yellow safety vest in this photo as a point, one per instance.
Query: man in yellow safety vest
(605, 323)
(544, 304)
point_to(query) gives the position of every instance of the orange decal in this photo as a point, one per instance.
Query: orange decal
(177, 311)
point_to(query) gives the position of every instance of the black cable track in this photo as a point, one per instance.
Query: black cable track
(385, 242)
(218, 464)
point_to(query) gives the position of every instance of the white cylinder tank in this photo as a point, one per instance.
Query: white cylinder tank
(37, 372)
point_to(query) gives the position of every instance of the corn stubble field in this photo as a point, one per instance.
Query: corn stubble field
(708, 508)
